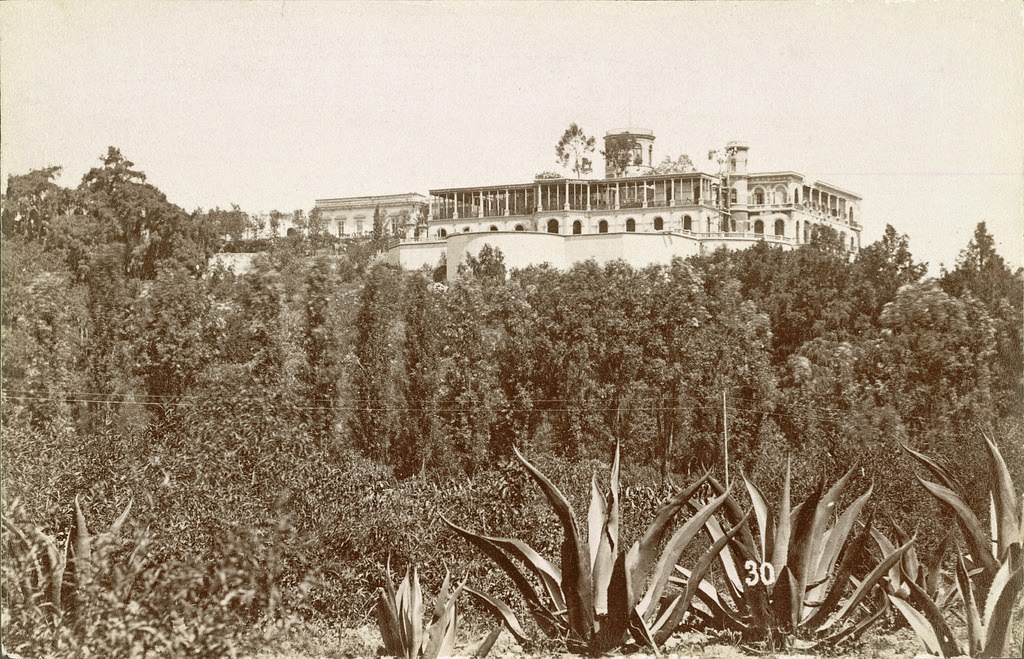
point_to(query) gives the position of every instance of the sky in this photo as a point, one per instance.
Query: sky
(916, 106)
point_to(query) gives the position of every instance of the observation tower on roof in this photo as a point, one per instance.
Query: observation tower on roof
(642, 161)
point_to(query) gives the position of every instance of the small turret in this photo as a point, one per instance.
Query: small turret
(641, 157)
(737, 163)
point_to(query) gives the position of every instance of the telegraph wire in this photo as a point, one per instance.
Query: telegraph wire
(354, 406)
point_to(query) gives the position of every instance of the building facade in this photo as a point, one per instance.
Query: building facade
(640, 216)
(353, 216)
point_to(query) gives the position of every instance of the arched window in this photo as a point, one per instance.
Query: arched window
(780, 195)
(780, 227)
(602, 226)
(630, 224)
(687, 223)
(577, 228)
(758, 197)
(659, 224)
(759, 227)
(520, 227)
(494, 228)
(552, 226)
(796, 196)
(851, 244)
(443, 233)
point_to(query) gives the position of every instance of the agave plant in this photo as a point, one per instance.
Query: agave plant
(599, 594)
(798, 585)
(989, 579)
(53, 575)
(400, 619)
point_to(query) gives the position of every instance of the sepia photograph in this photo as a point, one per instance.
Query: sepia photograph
(512, 329)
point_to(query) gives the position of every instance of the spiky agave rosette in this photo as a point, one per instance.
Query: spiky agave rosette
(989, 578)
(600, 594)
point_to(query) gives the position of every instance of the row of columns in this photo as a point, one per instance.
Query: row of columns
(645, 201)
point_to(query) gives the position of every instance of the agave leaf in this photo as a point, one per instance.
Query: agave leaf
(608, 550)
(550, 576)
(439, 639)
(850, 631)
(670, 555)
(724, 616)
(733, 513)
(838, 535)
(613, 626)
(969, 524)
(577, 584)
(602, 548)
(783, 528)
(801, 543)
(822, 513)
(1002, 594)
(895, 576)
(993, 523)
(667, 624)
(1006, 517)
(937, 470)
(919, 624)
(852, 556)
(975, 631)
(115, 529)
(387, 622)
(750, 603)
(485, 645)
(641, 632)
(933, 615)
(548, 618)
(441, 601)
(870, 580)
(643, 554)
(503, 611)
(715, 532)
(597, 517)
(81, 545)
(761, 512)
(52, 578)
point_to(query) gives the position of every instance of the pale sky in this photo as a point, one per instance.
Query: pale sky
(917, 106)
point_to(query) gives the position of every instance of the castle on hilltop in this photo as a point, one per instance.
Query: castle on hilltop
(634, 213)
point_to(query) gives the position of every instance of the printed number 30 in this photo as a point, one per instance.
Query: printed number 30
(765, 573)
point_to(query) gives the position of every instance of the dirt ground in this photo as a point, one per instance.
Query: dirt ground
(306, 640)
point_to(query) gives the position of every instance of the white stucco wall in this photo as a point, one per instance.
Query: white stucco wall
(413, 256)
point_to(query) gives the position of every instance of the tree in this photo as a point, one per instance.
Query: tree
(380, 230)
(32, 201)
(619, 152)
(375, 422)
(137, 216)
(275, 222)
(488, 264)
(231, 223)
(177, 334)
(322, 370)
(573, 149)
(881, 269)
(982, 273)
(682, 165)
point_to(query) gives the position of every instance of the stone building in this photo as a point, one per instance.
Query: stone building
(353, 216)
(640, 216)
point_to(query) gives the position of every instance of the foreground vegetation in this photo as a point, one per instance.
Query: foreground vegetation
(259, 448)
